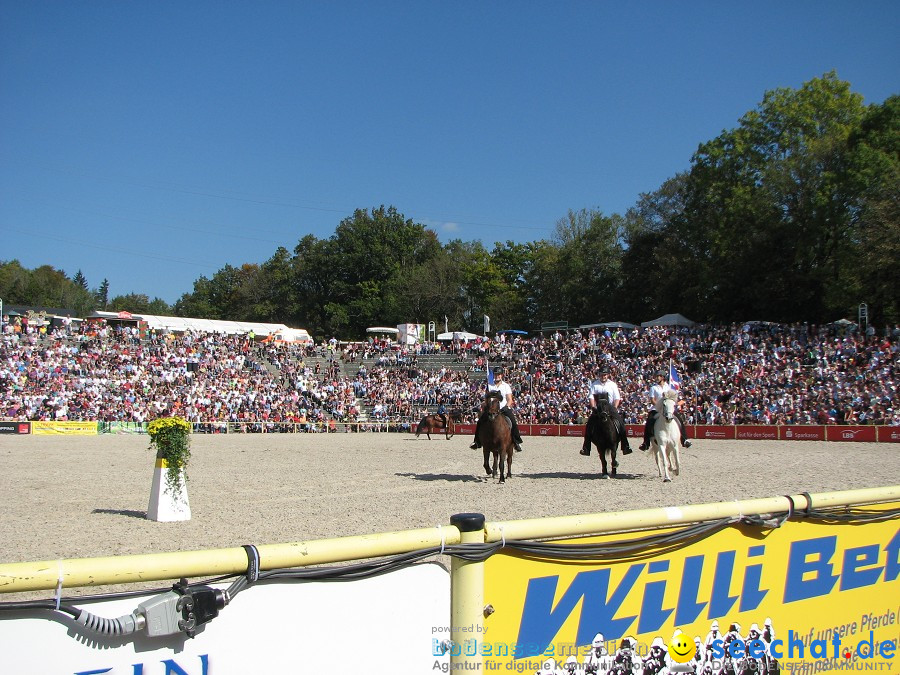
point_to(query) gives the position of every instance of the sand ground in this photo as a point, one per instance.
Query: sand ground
(87, 496)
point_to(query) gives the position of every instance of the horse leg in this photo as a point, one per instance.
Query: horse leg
(487, 461)
(675, 459)
(496, 454)
(603, 466)
(614, 463)
(502, 456)
(509, 456)
(663, 457)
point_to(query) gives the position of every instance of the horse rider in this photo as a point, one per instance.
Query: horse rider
(442, 413)
(598, 387)
(658, 391)
(506, 406)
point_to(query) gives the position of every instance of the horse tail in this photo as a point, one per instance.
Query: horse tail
(421, 427)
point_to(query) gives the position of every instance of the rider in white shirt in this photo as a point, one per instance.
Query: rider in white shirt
(657, 391)
(506, 407)
(605, 385)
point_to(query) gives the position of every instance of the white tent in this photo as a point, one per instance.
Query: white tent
(458, 335)
(382, 329)
(181, 324)
(669, 320)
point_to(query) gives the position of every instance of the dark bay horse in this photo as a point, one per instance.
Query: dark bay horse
(436, 423)
(605, 436)
(495, 435)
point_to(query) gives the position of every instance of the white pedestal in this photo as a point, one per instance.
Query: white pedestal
(166, 507)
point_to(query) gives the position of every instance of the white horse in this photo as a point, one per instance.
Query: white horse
(666, 436)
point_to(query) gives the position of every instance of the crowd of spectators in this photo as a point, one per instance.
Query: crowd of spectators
(757, 373)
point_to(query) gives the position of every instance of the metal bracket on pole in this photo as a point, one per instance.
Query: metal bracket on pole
(467, 597)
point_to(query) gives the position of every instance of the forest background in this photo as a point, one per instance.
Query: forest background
(793, 215)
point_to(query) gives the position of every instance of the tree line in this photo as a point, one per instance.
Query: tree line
(790, 216)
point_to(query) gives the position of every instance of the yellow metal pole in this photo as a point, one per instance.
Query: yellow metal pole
(45, 574)
(597, 523)
(467, 598)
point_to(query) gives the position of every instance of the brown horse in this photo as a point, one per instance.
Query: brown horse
(495, 436)
(436, 423)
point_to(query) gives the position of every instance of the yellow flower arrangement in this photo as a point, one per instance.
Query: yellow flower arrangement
(171, 438)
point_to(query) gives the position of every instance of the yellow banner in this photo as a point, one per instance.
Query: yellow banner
(69, 428)
(817, 597)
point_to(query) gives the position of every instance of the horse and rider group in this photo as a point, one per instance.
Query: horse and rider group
(497, 432)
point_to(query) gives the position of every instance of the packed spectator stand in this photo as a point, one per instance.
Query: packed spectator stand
(756, 373)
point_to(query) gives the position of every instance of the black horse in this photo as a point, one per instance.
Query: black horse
(438, 422)
(605, 435)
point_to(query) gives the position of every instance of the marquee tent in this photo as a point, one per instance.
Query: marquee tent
(458, 335)
(669, 320)
(181, 324)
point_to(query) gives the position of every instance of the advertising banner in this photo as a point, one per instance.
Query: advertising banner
(889, 434)
(634, 430)
(714, 432)
(756, 433)
(544, 430)
(846, 433)
(817, 596)
(802, 433)
(284, 627)
(122, 427)
(62, 428)
(572, 430)
(15, 427)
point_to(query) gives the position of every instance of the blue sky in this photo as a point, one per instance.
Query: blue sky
(150, 143)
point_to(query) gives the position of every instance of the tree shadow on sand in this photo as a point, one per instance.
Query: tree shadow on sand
(122, 512)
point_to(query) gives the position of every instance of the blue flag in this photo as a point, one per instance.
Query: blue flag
(490, 377)
(674, 380)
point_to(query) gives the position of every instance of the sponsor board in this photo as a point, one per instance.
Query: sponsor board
(15, 427)
(464, 429)
(865, 434)
(544, 429)
(64, 428)
(758, 433)
(121, 427)
(814, 581)
(635, 430)
(572, 430)
(889, 434)
(308, 628)
(795, 432)
(714, 432)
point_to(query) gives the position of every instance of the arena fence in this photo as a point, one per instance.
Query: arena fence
(815, 578)
(791, 432)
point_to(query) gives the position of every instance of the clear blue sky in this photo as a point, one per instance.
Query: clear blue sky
(152, 142)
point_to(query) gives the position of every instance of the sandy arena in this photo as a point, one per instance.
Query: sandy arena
(82, 496)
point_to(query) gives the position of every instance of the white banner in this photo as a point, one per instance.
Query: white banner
(382, 625)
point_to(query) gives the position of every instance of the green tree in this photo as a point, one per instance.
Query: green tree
(102, 294)
(767, 214)
(43, 286)
(79, 280)
(139, 303)
(871, 272)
